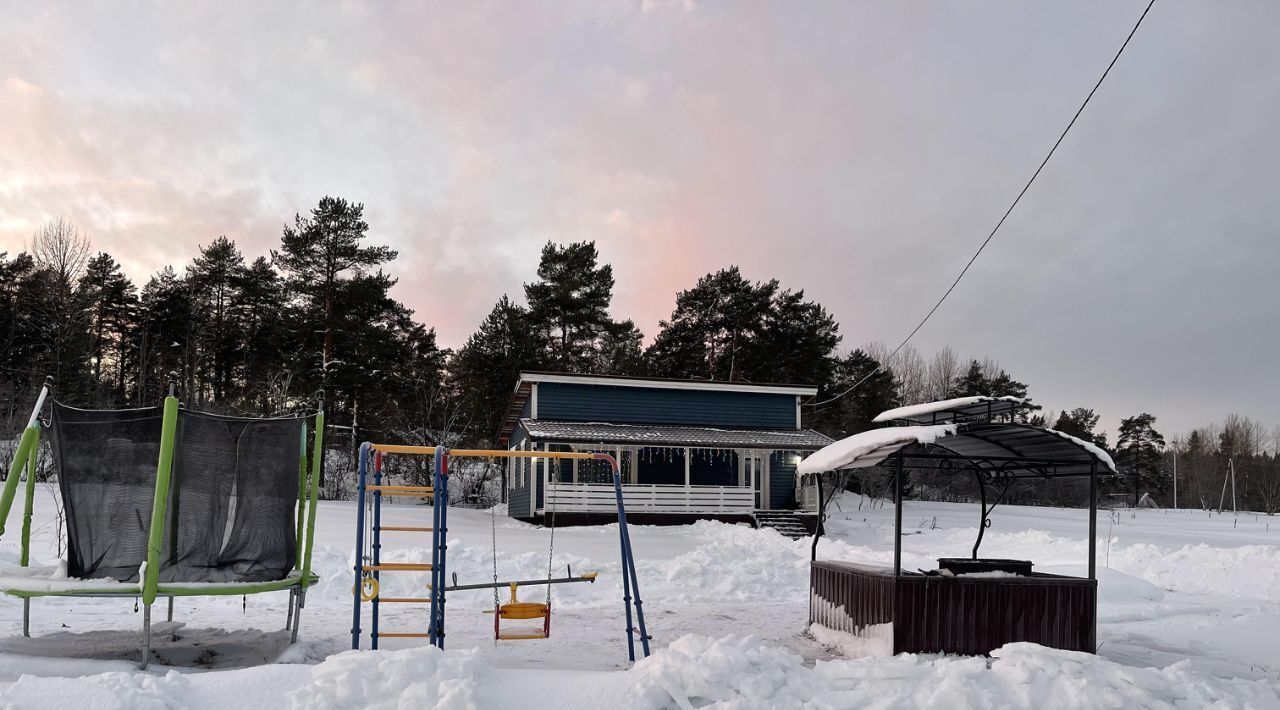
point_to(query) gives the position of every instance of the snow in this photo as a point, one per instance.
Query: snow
(917, 410)
(1097, 451)
(1189, 617)
(870, 447)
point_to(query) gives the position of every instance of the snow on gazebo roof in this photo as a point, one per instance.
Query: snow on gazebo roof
(948, 409)
(870, 448)
(1004, 449)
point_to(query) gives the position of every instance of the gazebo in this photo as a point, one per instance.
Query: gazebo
(967, 605)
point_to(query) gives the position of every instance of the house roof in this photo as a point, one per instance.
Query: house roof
(668, 383)
(524, 387)
(1003, 450)
(673, 435)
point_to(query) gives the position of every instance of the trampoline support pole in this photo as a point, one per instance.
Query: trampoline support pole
(288, 619)
(297, 615)
(169, 615)
(146, 635)
(26, 617)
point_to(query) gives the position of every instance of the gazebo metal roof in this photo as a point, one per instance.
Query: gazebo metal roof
(971, 441)
(956, 410)
(1000, 450)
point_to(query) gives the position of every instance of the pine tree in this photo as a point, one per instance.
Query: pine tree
(216, 277)
(485, 370)
(111, 300)
(318, 253)
(569, 305)
(166, 336)
(19, 345)
(261, 322)
(1080, 423)
(855, 411)
(713, 328)
(796, 342)
(973, 383)
(1138, 458)
(620, 351)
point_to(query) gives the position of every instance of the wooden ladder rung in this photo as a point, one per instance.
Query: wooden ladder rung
(405, 600)
(401, 635)
(399, 567)
(405, 528)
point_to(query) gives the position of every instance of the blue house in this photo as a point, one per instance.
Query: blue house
(688, 449)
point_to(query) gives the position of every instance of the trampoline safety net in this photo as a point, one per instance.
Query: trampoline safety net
(232, 496)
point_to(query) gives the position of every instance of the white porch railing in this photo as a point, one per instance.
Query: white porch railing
(648, 498)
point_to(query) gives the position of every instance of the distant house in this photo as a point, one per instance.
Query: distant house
(689, 449)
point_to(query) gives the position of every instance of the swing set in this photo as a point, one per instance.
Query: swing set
(369, 565)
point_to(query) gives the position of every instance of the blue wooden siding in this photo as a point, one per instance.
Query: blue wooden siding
(636, 405)
(782, 481)
(518, 502)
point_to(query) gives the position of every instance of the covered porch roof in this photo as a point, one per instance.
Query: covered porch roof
(672, 435)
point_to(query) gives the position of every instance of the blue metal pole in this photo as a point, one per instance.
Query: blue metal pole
(442, 495)
(630, 581)
(626, 600)
(355, 588)
(435, 546)
(635, 588)
(377, 546)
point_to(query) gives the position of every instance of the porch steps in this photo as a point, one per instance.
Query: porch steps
(787, 524)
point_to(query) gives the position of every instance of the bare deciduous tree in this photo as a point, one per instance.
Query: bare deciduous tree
(60, 251)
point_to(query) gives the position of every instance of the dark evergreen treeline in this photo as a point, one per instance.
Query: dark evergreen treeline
(266, 334)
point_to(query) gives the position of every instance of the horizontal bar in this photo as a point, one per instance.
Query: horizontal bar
(404, 528)
(405, 600)
(488, 453)
(404, 449)
(399, 567)
(588, 577)
(401, 635)
(401, 490)
(504, 454)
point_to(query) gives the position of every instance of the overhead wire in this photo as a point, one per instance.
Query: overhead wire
(1000, 223)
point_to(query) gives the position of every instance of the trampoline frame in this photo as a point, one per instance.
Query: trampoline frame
(149, 588)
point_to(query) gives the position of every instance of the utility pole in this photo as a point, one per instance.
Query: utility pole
(1232, 463)
(1175, 475)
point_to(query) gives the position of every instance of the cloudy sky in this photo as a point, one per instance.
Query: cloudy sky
(857, 150)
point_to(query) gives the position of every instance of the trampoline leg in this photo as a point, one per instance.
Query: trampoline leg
(146, 635)
(170, 616)
(297, 615)
(26, 618)
(288, 620)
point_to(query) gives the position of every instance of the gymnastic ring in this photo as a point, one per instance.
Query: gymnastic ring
(368, 589)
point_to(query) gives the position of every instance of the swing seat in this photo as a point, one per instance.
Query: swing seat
(533, 635)
(524, 610)
(516, 609)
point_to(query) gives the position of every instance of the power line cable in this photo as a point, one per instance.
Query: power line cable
(1000, 223)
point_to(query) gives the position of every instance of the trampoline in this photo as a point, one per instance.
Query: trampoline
(166, 502)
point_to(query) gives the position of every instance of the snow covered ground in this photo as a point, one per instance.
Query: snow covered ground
(1189, 618)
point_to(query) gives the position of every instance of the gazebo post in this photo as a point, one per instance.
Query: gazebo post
(897, 519)
(1093, 520)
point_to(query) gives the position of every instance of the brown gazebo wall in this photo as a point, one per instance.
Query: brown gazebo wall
(969, 615)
